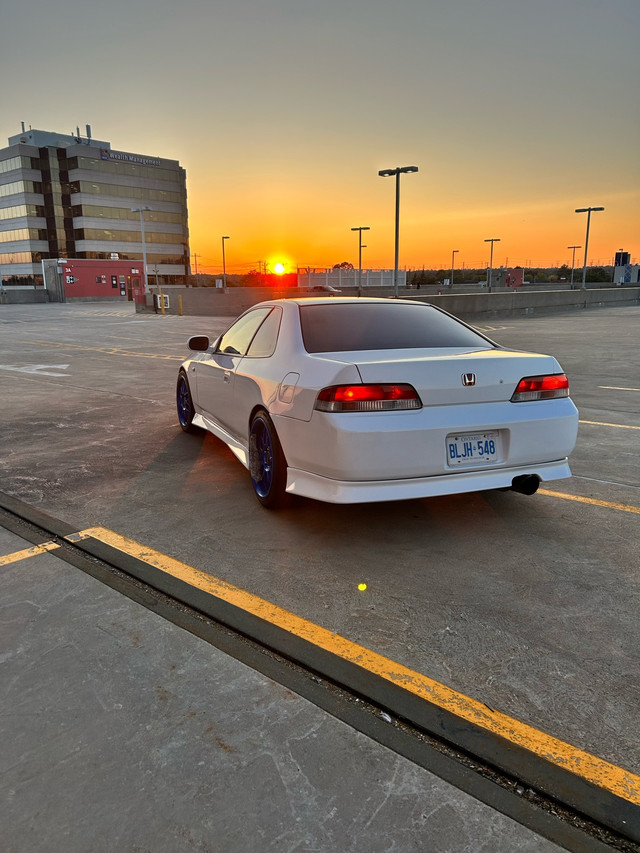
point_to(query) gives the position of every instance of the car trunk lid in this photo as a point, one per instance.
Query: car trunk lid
(454, 376)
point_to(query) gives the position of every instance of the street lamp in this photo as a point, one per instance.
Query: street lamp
(573, 261)
(224, 265)
(453, 255)
(387, 173)
(491, 240)
(586, 210)
(360, 229)
(141, 211)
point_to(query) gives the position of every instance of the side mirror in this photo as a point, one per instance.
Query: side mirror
(199, 343)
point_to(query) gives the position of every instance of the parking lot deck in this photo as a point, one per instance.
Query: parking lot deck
(522, 608)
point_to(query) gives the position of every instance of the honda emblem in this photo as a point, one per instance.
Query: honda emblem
(468, 379)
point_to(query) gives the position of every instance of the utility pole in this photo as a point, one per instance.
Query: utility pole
(588, 211)
(360, 229)
(573, 262)
(224, 265)
(491, 240)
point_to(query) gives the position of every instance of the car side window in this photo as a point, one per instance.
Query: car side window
(237, 338)
(264, 342)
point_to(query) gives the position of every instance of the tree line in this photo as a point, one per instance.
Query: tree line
(532, 275)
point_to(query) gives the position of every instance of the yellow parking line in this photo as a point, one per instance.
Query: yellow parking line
(28, 552)
(592, 501)
(106, 350)
(619, 426)
(607, 776)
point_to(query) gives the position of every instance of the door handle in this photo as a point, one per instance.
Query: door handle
(227, 376)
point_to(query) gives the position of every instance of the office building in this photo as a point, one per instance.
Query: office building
(74, 197)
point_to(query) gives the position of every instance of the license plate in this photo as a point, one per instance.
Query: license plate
(473, 448)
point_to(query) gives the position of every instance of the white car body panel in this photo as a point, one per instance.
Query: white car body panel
(350, 457)
(239, 450)
(338, 491)
(398, 445)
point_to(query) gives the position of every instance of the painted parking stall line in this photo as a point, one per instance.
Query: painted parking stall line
(25, 554)
(105, 350)
(617, 426)
(592, 771)
(592, 501)
(37, 369)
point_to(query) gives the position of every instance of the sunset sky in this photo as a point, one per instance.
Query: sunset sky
(283, 111)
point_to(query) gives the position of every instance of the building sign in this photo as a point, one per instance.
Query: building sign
(105, 154)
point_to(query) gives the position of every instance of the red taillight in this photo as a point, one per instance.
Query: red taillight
(367, 398)
(541, 388)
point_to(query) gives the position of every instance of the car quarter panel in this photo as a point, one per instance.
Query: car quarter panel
(287, 383)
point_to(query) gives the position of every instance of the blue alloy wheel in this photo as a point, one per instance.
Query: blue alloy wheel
(262, 474)
(266, 463)
(185, 404)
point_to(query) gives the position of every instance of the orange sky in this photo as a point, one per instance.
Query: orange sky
(303, 234)
(283, 111)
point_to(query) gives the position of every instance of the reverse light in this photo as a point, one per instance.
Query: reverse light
(368, 398)
(541, 388)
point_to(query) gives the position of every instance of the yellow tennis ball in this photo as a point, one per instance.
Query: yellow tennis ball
(362, 587)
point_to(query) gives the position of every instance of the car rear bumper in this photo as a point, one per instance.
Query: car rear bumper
(343, 492)
(412, 445)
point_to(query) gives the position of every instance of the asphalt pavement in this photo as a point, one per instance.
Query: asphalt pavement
(123, 731)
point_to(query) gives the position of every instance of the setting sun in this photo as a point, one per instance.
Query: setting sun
(278, 268)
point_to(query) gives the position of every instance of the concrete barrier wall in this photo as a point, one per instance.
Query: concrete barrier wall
(213, 302)
(217, 302)
(208, 301)
(521, 304)
(20, 296)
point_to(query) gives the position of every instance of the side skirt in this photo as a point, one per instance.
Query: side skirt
(238, 449)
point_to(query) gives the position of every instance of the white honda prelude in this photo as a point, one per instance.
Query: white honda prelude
(352, 400)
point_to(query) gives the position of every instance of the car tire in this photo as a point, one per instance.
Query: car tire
(267, 465)
(184, 403)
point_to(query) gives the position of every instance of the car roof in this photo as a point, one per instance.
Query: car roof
(353, 300)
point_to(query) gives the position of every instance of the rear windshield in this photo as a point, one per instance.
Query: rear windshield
(340, 327)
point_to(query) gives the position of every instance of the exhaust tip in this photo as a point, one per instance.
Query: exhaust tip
(526, 484)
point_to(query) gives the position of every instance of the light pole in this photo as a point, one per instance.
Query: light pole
(586, 210)
(224, 266)
(453, 256)
(491, 240)
(573, 261)
(360, 229)
(141, 211)
(386, 173)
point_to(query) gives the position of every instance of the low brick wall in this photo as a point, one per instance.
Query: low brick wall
(206, 301)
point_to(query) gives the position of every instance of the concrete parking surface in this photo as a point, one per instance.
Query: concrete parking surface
(526, 604)
(123, 732)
